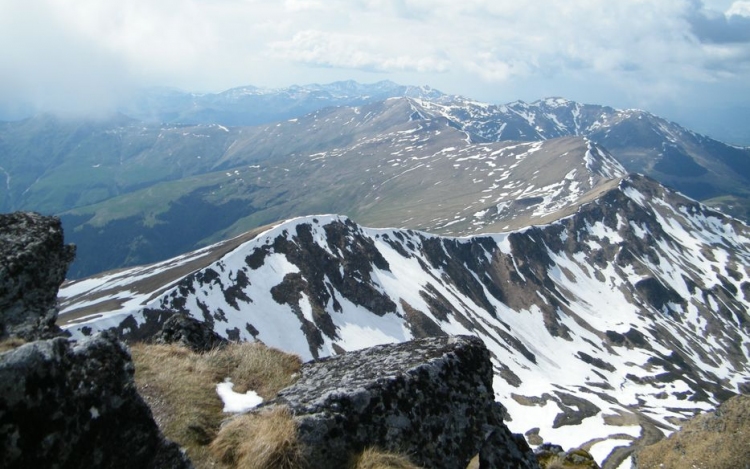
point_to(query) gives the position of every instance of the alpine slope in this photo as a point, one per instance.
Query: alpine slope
(607, 326)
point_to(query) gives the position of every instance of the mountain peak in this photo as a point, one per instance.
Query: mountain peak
(554, 102)
(600, 161)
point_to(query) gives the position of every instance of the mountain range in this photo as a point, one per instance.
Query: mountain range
(581, 243)
(132, 192)
(606, 326)
(250, 105)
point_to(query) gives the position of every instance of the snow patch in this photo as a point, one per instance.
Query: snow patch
(235, 402)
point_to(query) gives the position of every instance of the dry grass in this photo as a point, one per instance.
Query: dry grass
(573, 459)
(373, 458)
(714, 440)
(474, 463)
(558, 462)
(10, 343)
(262, 440)
(180, 387)
(254, 366)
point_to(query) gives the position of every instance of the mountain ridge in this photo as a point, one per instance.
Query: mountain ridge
(641, 141)
(615, 321)
(430, 178)
(251, 106)
(138, 182)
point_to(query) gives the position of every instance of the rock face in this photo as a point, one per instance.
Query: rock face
(64, 405)
(431, 399)
(33, 263)
(69, 406)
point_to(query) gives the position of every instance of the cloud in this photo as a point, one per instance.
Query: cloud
(302, 5)
(741, 8)
(82, 53)
(351, 51)
(722, 28)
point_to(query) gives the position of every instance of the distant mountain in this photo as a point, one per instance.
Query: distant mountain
(250, 106)
(698, 166)
(49, 164)
(52, 164)
(385, 164)
(148, 191)
(605, 325)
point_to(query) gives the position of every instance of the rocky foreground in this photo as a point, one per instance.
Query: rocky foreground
(67, 404)
(63, 404)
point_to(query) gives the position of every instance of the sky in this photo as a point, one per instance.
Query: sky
(674, 57)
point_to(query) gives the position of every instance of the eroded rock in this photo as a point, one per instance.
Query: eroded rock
(431, 399)
(71, 406)
(33, 264)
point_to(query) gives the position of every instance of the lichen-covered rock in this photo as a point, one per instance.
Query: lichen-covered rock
(548, 452)
(430, 399)
(552, 456)
(33, 264)
(189, 332)
(72, 406)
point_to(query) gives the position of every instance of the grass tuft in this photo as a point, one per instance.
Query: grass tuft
(180, 387)
(260, 440)
(10, 344)
(372, 458)
(717, 439)
(254, 366)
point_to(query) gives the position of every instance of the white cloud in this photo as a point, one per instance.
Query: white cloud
(351, 51)
(739, 9)
(55, 50)
(302, 5)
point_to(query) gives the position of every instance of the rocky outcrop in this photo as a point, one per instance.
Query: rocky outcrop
(189, 332)
(165, 326)
(69, 406)
(64, 405)
(431, 399)
(33, 263)
(553, 456)
(713, 440)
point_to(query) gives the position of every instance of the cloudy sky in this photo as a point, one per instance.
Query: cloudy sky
(668, 56)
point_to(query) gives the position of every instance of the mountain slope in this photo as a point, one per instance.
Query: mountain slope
(387, 164)
(605, 326)
(44, 160)
(696, 165)
(147, 192)
(49, 164)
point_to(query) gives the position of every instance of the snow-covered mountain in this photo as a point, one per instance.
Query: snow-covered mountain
(382, 161)
(694, 164)
(605, 326)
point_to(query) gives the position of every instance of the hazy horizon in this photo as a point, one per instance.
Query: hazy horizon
(685, 60)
